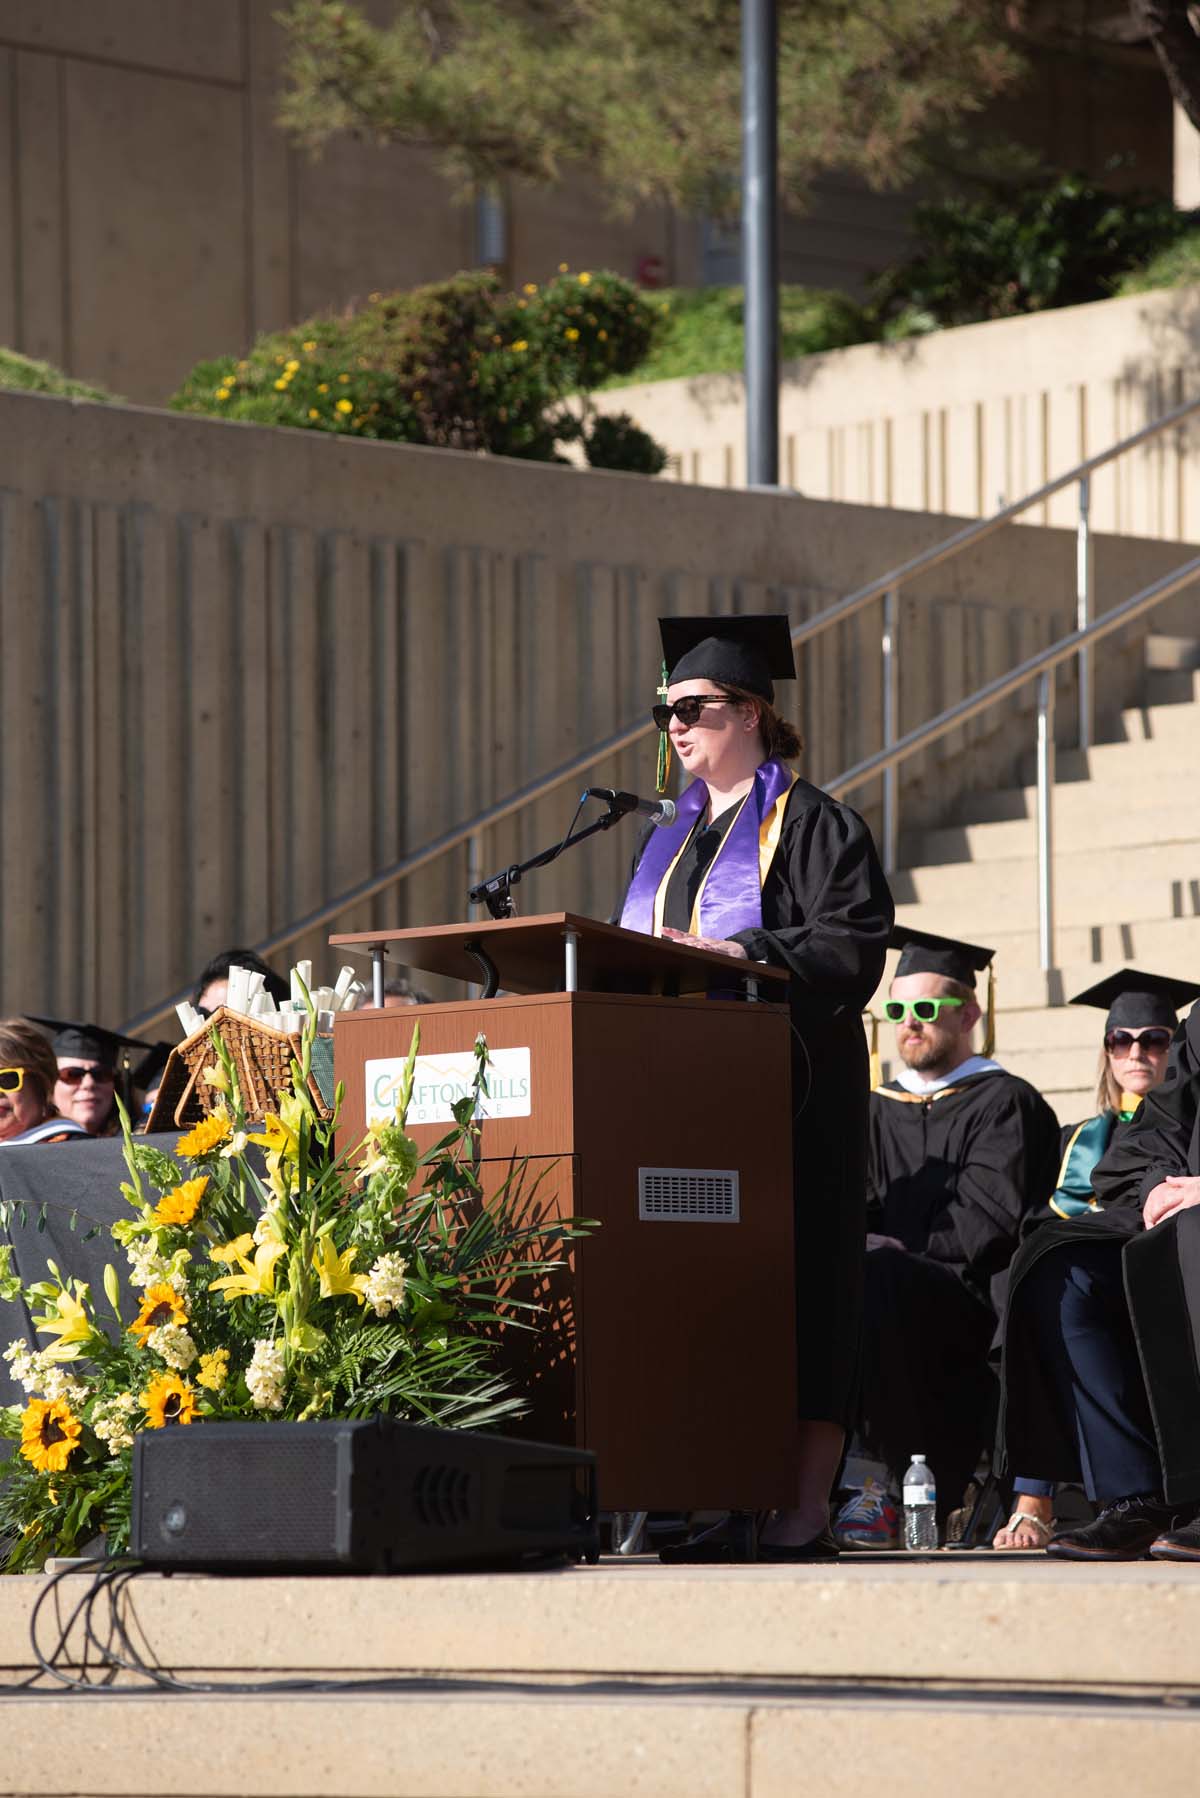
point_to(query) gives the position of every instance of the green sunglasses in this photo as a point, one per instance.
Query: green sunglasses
(924, 1010)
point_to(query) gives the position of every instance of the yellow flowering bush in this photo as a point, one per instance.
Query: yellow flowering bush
(460, 364)
(273, 1279)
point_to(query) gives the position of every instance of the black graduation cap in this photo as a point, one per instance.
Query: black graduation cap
(750, 651)
(1136, 999)
(923, 953)
(89, 1041)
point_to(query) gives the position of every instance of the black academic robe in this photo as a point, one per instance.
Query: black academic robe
(1162, 1284)
(826, 917)
(952, 1175)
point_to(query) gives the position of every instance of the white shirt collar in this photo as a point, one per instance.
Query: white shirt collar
(912, 1082)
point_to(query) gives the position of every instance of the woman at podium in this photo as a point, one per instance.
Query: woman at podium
(761, 866)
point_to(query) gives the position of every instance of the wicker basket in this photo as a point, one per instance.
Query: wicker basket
(262, 1057)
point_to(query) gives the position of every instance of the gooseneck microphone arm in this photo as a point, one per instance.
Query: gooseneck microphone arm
(496, 891)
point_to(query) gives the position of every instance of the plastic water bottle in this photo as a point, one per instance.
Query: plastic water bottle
(920, 1507)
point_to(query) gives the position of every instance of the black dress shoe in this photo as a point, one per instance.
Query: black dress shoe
(822, 1547)
(730, 1541)
(1123, 1531)
(1178, 1545)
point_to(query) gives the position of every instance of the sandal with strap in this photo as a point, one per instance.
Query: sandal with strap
(1037, 1524)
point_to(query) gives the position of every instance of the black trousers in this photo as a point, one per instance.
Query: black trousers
(1073, 1305)
(927, 1385)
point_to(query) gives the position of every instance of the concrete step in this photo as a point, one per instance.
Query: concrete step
(1157, 884)
(1126, 770)
(1093, 822)
(1162, 945)
(924, 1676)
(1163, 652)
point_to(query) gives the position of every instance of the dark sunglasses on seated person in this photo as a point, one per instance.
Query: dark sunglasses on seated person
(77, 1076)
(687, 710)
(924, 1010)
(1120, 1042)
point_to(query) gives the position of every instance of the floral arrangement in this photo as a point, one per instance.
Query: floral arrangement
(296, 1285)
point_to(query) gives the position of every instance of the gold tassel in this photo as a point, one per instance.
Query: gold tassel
(876, 1064)
(989, 1028)
(664, 741)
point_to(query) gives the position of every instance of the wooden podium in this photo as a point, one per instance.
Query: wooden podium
(665, 1115)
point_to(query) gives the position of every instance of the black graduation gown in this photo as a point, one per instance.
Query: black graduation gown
(951, 1177)
(1162, 1285)
(826, 917)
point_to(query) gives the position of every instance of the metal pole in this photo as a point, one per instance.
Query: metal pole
(474, 861)
(1085, 586)
(1045, 818)
(891, 694)
(378, 996)
(760, 244)
(571, 961)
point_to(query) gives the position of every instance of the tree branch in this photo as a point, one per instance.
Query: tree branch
(1168, 25)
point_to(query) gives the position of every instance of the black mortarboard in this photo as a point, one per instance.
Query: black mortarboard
(1135, 999)
(923, 953)
(87, 1040)
(751, 651)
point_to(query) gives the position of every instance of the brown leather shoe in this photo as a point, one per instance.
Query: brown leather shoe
(1178, 1545)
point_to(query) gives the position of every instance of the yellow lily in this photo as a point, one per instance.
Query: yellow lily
(280, 1137)
(68, 1321)
(334, 1271)
(257, 1278)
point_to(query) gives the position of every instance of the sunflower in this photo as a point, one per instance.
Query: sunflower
(203, 1138)
(161, 1304)
(180, 1205)
(49, 1433)
(168, 1399)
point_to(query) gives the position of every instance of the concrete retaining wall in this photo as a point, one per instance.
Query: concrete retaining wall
(243, 668)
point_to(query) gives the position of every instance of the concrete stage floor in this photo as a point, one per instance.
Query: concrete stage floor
(982, 1672)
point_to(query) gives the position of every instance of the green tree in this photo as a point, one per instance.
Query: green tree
(644, 93)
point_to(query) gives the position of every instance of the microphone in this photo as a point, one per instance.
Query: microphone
(659, 811)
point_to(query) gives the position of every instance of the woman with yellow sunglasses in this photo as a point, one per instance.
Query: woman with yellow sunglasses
(28, 1071)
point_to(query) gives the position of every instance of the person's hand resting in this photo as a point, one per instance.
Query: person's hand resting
(1178, 1192)
(884, 1242)
(719, 945)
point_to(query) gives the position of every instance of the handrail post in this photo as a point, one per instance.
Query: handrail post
(1045, 817)
(1085, 581)
(891, 697)
(474, 863)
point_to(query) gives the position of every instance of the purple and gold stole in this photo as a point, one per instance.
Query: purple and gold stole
(730, 896)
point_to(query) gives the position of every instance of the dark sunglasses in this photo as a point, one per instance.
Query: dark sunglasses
(1119, 1042)
(924, 1010)
(686, 710)
(77, 1076)
(11, 1080)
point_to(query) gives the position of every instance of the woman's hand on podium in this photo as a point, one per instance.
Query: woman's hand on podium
(718, 945)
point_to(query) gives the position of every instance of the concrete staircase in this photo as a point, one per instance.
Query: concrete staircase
(919, 1677)
(1127, 890)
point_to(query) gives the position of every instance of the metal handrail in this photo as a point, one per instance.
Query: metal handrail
(1040, 667)
(885, 587)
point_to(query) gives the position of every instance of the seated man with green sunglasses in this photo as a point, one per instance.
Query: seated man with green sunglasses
(959, 1151)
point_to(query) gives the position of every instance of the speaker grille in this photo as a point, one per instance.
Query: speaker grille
(442, 1496)
(266, 1497)
(707, 1195)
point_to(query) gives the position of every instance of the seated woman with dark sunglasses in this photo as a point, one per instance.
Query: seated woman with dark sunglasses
(28, 1072)
(1140, 1023)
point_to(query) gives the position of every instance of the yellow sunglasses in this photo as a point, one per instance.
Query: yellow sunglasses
(11, 1080)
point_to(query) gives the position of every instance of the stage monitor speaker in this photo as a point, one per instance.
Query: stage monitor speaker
(375, 1496)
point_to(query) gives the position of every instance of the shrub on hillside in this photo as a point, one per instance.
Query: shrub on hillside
(1057, 245)
(1176, 266)
(702, 330)
(461, 364)
(42, 377)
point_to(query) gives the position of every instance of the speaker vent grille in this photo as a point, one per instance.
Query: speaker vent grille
(707, 1195)
(442, 1496)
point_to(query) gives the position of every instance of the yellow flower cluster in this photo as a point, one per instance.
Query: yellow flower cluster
(180, 1205)
(214, 1370)
(289, 374)
(204, 1137)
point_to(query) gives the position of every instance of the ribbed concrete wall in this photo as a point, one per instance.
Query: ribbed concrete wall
(962, 421)
(243, 668)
